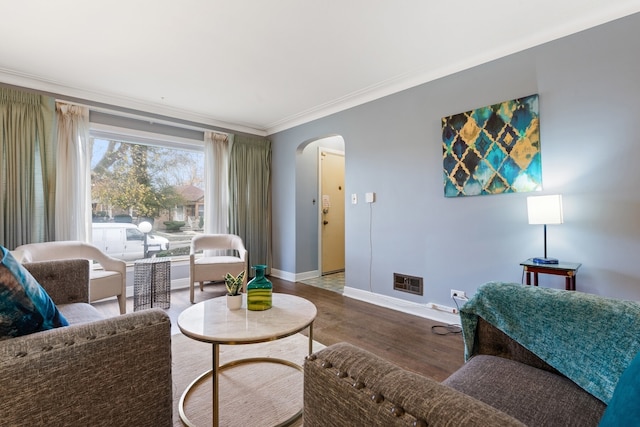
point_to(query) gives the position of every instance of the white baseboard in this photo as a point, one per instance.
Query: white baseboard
(398, 304)
(284, 275)
(294, 277)
(422, 310)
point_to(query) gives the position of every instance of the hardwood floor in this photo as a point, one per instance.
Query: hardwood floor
(403, 339)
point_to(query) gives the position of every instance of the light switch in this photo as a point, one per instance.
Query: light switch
(354, 199)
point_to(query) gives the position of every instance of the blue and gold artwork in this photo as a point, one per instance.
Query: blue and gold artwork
(493, 149)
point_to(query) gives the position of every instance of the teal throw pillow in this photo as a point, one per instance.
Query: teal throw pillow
(624, 406)
(25, 307)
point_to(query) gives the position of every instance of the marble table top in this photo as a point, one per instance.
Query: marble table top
(211, 320)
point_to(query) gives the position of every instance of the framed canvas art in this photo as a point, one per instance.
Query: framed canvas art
(493, 149)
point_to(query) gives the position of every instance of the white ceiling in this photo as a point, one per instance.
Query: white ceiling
(266, 65)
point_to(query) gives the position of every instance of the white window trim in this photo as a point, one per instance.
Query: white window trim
(101, 131)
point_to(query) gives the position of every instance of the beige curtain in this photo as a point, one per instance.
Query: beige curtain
(250, 196)
(216, 183)
(73, 176)
(27, 179)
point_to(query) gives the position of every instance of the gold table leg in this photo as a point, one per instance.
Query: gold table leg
(217, 369)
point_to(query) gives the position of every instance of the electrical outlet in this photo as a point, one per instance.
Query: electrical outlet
(460, 295)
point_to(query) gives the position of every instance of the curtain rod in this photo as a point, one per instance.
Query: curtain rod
(140, 117)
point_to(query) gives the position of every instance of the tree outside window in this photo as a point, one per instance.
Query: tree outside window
(139, 182)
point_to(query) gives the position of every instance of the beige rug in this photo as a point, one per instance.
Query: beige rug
(257, 394)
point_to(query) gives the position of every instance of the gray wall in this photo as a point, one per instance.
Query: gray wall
(589, 87)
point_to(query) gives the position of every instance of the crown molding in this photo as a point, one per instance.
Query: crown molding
(123, 106)
(147, 110)
(418, 77)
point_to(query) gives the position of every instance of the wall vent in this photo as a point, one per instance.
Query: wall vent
(405, 283)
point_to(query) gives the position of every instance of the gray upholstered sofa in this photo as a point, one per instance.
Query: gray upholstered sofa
(97, 372)
(501, 384)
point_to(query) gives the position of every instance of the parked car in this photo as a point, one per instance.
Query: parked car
(125, 241)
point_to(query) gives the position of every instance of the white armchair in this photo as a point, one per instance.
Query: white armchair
(214, 267)
(107, 282)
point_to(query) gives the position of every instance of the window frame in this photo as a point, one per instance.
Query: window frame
(134, 136)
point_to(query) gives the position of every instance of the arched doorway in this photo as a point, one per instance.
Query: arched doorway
(311, 205)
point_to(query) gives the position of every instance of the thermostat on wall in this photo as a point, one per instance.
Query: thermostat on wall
(370, 197)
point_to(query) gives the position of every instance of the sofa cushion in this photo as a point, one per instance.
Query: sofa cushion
(531, 395)
(105, 284)
(80, 313)
(624, 406)
(25, 307)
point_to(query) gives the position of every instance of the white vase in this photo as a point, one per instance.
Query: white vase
(234, 302)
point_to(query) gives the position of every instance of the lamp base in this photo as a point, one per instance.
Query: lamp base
(545, 260)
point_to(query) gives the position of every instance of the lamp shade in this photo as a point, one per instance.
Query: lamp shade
(545, 209)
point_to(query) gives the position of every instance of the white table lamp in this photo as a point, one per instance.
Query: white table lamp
(545, 210)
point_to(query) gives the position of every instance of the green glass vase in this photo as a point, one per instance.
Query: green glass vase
(259, 290)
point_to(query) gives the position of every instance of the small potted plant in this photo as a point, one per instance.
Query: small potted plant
(234, 288)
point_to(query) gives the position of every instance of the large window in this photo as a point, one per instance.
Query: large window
(133, 182)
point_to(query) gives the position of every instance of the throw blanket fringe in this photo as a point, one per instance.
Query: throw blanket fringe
(588, 338)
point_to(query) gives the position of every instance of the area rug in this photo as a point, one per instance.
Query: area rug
(256, 394)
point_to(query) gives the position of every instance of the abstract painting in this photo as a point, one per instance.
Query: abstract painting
(493, 149)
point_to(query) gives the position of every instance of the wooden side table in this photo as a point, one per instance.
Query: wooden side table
(566, 269)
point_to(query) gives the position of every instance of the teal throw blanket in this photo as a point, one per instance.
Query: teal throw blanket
(588, 338)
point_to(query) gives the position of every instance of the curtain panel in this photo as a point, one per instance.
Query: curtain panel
(250, 196)
(27, 173)
(73, 177)
(216, 183)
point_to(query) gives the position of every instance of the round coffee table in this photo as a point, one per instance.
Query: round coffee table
(211, 321)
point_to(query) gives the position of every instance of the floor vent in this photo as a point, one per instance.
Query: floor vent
(410, 284)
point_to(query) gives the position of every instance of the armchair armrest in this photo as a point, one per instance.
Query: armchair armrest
(66, 281)
(107, 262)
(345, 385)
(115, 371)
